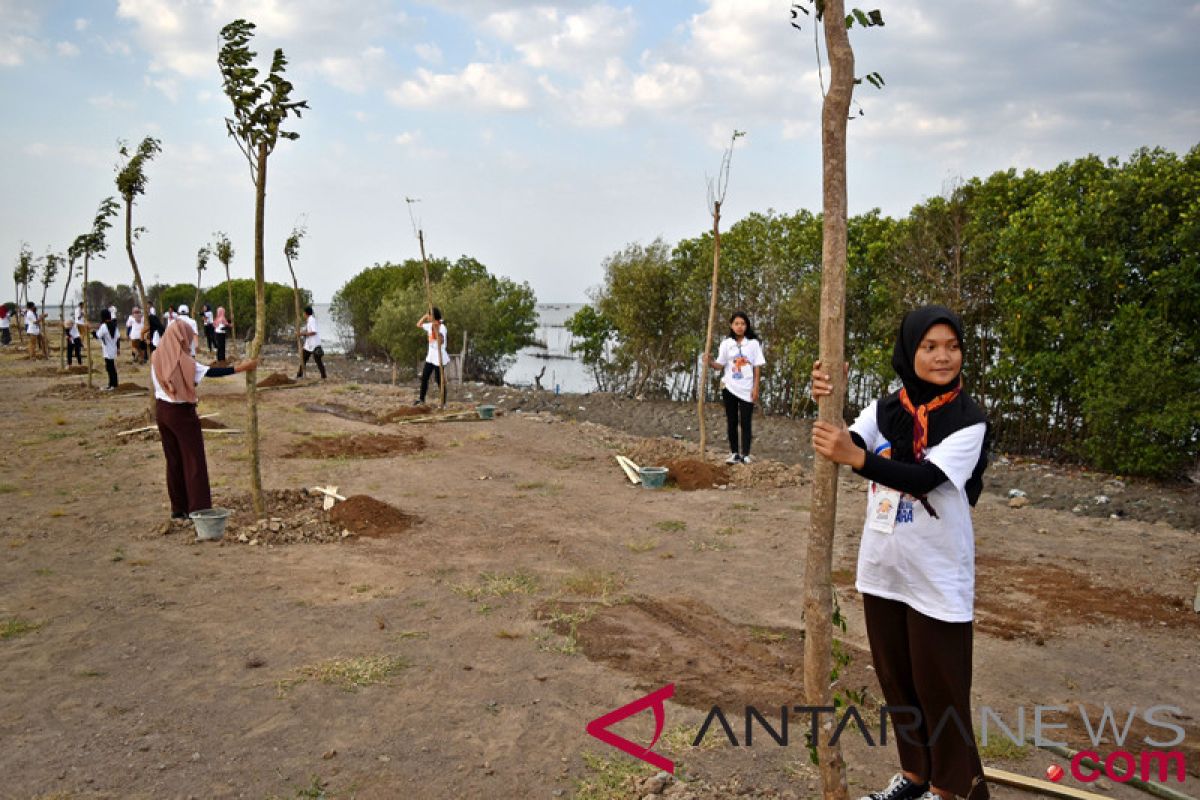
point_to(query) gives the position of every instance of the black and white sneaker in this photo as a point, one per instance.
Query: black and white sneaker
(900, 788)
(734, 458)
(746, 459)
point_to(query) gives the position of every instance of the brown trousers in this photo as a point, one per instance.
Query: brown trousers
(183, 445)
(924, 668)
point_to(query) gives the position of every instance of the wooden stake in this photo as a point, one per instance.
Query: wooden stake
(1034, 785)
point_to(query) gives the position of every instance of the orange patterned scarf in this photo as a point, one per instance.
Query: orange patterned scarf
(920, 415)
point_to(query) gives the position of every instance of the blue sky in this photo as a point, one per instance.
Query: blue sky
(542, 137)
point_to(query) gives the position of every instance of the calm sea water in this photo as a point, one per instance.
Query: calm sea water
(563, 369)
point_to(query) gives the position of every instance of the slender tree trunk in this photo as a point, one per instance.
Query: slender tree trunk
(818, 563)
(45, 325)
(231, 339)
(260, 332)
(87, 315)
(137, 284)
(300, 327)
(712, 317)
(62, 316)
(196, 303)
(434, 325)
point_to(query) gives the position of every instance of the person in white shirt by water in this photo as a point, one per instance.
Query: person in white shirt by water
(924, 450)
(74, 343)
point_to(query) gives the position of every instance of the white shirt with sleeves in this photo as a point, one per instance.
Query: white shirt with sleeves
(201, 371)
(739, 361)
(926, 562)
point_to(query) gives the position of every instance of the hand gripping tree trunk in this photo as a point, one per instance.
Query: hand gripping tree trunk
(818, 563)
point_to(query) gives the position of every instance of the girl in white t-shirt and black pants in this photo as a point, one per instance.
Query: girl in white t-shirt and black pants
(108, 336)
(741, 357)
(436, 356)
(924, 449)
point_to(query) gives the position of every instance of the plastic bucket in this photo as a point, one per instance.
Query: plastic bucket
(652, 477)
(210, 523)
(486, 412)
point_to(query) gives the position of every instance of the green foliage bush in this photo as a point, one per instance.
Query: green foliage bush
(1079, 289)
(379, 308)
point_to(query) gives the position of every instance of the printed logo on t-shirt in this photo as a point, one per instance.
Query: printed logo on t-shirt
(739, 362)
(905, 513)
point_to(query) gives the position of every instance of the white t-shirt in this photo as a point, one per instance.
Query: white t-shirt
(201, 371)
(312, 342)
(926, 562)
(431, 355)
(108, 341)
(189, 321)
(739, 361)
(208, 318)
(76, 321)
(31, 323)
(4, 322)
(135, 328)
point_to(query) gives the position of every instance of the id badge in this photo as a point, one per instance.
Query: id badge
(885, 504)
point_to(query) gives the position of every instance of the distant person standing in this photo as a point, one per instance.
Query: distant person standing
(221, 325)
(436, 356)
(136, 328)
(312, 344)
(74, 342)
(109, 339)
(33, 329)
(209, 329)
(5, 326)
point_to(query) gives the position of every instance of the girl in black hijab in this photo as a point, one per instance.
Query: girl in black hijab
(924, 449)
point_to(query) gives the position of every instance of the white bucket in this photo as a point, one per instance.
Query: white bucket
(210, 523)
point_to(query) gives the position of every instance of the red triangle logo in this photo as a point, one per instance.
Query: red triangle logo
(599, 727)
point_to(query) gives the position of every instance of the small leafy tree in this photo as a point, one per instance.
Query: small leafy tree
(51, 264)
(74, 253)
(260, 110)
(223, 248)
(94, 244)
(291, 251)
(131, 183)
(22, 275)
(202, 257)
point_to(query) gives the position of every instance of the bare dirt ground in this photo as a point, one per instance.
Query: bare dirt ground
(503, 585)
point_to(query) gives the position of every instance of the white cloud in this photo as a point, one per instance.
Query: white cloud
(67, 49)
(354, 73)
(115, 47)
(168, 86)
(495, 86)
(81, 24)
(548, 38)
(666, 86)
(109, 102)
(18, 28)
(406, 138)
(316, 34)
(428, 52)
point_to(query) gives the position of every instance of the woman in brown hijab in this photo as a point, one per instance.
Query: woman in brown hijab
(175, 375)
